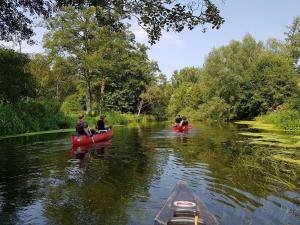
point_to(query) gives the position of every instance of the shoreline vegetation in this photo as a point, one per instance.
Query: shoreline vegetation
(244, 80)
(59, 122)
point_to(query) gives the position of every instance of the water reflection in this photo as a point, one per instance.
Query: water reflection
(127, 180)
(83, 153)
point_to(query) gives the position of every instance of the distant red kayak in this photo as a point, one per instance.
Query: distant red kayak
(81, 140)
(181, 129)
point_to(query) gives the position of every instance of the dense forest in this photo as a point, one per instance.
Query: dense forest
(102, 69)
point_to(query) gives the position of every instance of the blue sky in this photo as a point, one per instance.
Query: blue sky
(263, 19)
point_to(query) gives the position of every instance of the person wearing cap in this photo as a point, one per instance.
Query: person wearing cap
(82, 127)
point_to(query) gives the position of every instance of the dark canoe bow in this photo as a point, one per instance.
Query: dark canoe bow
(184, 214)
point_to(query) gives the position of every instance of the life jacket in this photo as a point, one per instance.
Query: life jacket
(80, 128)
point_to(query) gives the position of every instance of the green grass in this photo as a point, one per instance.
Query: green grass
(259, 125)
(288, 120)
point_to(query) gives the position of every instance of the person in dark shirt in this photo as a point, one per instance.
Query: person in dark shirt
(184, 122)
(101, 123)
(178, 119)
(82, 128)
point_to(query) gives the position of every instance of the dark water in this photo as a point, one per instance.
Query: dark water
(127, 180)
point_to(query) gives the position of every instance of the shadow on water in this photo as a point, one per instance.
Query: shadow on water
(126, 180)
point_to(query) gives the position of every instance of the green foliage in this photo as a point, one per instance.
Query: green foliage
(288, 120)
(185, 96)
(239, 81)
(154, 101)
(116, 118)
(32, 115)
(15, 81)
(108, 64)
(293, 40)
(216, 109)
(73, 103)
(155, 15)
(190, 75)
(53, 75)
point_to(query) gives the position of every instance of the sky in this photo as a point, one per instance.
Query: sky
(263, 19)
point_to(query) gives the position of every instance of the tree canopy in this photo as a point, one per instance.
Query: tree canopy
(100, 59)
(16, 16)
(238, 81)
(15, 80)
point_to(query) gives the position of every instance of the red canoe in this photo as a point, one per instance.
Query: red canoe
(181, 129)
(85, 140)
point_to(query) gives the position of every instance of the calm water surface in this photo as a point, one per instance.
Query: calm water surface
(127, 180)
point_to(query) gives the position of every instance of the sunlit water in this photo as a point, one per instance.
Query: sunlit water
(127, 180)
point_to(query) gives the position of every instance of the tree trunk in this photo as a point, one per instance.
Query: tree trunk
(101, 100)
(140, 108)
(88, 98)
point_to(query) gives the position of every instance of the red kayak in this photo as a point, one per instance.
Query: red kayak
(81, 140)
(181, 129)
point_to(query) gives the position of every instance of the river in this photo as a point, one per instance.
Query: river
(128, 179)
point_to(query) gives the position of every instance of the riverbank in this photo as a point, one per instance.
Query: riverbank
(32, 118)
(285, 120)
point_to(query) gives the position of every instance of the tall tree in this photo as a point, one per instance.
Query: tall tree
(293, 41)
(74, 33)
(103, 59)
(154, 16)
(15, 80)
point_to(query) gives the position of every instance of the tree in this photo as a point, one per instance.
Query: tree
(104, 60)
(54, 77)
(131, 76)
(15, 20)
(239, 81)
(154, 100)
(154, 16)
(188, 74)
(226, 71)
(15, 80)
(74, 34)
(272, 82)
(293, 41)
(293, 38)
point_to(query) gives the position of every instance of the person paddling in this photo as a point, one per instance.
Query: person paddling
(184, 122)
(101, 123)
(178, 120)
(100, 126)
(82, 127)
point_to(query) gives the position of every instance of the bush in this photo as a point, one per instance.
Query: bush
(9, 121)
(32, 115)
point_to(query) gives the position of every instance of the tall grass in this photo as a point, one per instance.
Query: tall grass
(287, 119)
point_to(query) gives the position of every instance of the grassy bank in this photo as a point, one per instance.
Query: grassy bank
(288, 120)
(31, 117)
